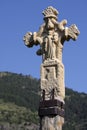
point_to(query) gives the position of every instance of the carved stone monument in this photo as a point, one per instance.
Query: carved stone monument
(51, 37)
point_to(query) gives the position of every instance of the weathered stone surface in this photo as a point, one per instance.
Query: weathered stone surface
(52, 79)
(51, 37)
(52, 123)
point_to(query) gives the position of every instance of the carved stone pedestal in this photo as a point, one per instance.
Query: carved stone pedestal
(51, 107)
(52, 80)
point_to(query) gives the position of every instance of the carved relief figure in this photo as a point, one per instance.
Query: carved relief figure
(51, 35)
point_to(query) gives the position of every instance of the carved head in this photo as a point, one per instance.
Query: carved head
(50, 17)
(50, 12)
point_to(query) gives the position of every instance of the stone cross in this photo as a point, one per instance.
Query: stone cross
(51, 37)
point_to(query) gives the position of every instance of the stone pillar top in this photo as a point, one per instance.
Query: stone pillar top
(51, 36)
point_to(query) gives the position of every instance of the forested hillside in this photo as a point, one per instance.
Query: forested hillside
(19, 99)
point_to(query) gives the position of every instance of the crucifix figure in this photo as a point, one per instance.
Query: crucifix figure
(51, 37)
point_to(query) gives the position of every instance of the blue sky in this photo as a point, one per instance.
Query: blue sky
(20, 16)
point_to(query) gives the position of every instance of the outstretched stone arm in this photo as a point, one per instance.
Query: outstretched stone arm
(29, 39)
(72, 32)
(35, 38)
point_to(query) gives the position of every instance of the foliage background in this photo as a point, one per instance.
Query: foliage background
(19, 100)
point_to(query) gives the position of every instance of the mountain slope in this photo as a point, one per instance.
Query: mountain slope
(22, 92)
(75, 110)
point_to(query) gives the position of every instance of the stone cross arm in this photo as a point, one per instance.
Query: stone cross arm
(72, 32)
(51, 35)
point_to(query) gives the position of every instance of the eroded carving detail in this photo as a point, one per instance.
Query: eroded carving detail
(52, 79)
(51, 37)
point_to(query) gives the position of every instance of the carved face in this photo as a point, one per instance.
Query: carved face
(49, 24)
